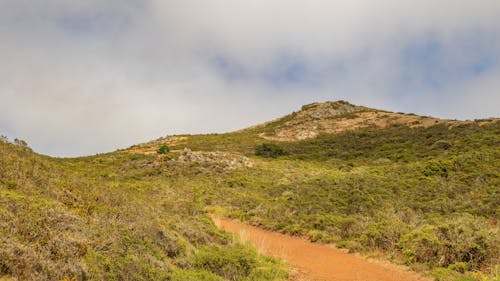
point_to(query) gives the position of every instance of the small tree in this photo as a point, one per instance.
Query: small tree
(163, 150)
(269, 150)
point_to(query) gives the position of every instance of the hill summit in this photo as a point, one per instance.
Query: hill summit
(312, 120)
(329, 109)
(334, 117)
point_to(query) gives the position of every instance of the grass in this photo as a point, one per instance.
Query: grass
(427, 197)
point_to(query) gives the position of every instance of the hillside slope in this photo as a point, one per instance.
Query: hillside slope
(112, 217)
(415, 190)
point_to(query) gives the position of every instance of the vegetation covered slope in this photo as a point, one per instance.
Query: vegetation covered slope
(113, 217)
(423, 194)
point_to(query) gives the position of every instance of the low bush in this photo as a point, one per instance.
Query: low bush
(421, 245)
(231, 263)
(269, 150)
(436, 168)
(163, 150)
(461, 267)
(460, 242)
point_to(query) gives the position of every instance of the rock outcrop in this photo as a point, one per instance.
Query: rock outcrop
(219, 159)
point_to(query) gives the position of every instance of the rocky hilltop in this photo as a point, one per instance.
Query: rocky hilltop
(307, 123)
(334, 117)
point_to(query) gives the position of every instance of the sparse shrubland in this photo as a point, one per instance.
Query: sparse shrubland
(389, 190)
(112, 217)
(427, 197)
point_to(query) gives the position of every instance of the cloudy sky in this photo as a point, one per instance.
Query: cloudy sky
(79, 77)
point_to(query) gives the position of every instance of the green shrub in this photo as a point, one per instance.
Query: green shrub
(383, 235)
(460, 242)
(269, 150)
(461, 267)
(163, 150)
(345, 226)
(446, 274)
(436, 168)
(231, 263)
(421, 245)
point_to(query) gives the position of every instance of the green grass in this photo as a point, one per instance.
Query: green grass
(427, 197)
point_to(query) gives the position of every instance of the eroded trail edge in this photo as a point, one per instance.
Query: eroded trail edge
(317, 261)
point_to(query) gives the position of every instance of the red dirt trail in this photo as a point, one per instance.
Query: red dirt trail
(317, 261)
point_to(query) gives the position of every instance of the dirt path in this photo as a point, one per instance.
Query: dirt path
(317, 261)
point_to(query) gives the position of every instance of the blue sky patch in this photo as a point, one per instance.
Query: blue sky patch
(433, 64)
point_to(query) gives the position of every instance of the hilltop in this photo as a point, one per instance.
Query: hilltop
(335, 117)
(418, 191)
(311, 121)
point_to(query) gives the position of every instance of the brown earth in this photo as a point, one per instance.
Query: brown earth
(317, 262)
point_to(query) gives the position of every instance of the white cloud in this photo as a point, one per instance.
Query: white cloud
(79, 77)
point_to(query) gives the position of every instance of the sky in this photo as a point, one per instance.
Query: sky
(82, 77)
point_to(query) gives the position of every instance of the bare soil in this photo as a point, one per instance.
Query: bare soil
(318, 262)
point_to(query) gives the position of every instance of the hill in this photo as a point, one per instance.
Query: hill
(334, 117)
(416, 190)
(311, 121)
